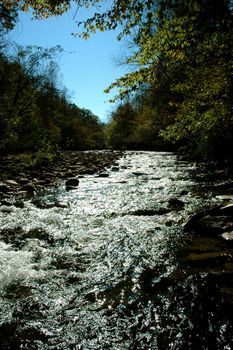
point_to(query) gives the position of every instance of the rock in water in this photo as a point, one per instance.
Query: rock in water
(103, 175)
(176, 203)
(72, 182)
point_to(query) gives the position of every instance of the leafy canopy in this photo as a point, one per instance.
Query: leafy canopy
(129, 15)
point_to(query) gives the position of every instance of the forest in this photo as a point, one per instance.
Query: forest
(178, 93)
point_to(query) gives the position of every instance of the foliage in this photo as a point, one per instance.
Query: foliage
(35, 115)
(136, 123)
(8, 18)
(187, 60)
(183, 58)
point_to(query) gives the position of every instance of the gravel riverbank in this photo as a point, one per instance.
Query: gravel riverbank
(17, 178)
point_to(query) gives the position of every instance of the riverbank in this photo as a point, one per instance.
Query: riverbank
(18, 178)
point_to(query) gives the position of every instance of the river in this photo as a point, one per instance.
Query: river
(97, 267)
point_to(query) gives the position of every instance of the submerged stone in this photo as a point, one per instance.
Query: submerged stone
(150, 212)
(176, 203)
(103, 175)
(72, 182)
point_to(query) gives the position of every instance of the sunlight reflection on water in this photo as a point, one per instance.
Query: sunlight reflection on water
(101, 271)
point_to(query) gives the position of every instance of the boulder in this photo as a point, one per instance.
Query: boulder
(23, 180)
(103, 175)
(184, 192)
(175, 203)
(138, 173)
(210, 224)
(11, 182)
(29, 188)
(4, 188)
(207, 259)
(227, 210)
(228, 236)
(213, 221)
(86, 171)
(225, 185)
(150, 212)
(6, 203)
(72, 182)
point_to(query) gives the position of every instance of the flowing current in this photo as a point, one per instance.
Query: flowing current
(97, 267)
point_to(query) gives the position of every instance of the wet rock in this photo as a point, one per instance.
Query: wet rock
(17, 291)
(138, 173)
(91, 297)
(225, 197)
(6, 203)
(6, 209)
(70, 188)
(72, 182)
(207, 259)
(42, 204)
(86, 171)
(228, 236)
(4, 196)
(227, 210)
(176, 203)
(29, 188)
(215, 220)
(103, 175)
(4, 188)
(39, 203)
(225, 185)
(23, 180)
(184, 193)
(216, 223)
(49, 175)
(70, 173)
(115, 168)
(212, 224)
(62, 204)
(18, 237)
(22, 193)
(39, 233)
(11, 182)
(150, 212)
(19, 204)
(11, 234)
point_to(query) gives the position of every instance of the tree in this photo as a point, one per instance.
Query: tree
(119, 131)
(187, 44)
(22, 75)
(203, 120)
(8, 19)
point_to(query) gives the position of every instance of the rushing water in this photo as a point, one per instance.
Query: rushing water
(100, 270)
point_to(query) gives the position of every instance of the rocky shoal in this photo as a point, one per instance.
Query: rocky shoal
(19, 179)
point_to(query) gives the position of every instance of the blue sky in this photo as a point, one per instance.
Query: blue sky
(87, 67)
